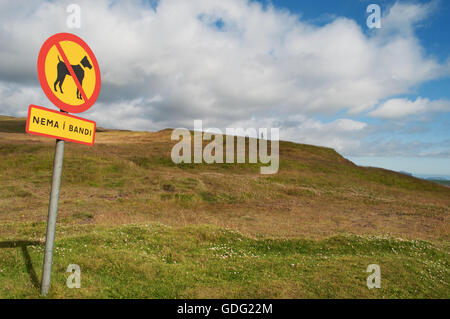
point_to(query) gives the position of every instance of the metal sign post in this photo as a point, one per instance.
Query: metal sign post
(52, 214)
(75, 54)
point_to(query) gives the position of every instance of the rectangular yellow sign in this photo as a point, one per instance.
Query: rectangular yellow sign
(46, 122)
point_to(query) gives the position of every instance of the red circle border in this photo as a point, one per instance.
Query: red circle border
(48, 44)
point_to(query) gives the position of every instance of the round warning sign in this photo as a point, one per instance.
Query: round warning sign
(69, 73)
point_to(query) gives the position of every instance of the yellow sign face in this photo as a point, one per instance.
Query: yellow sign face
(59, 78)
(69, 73)
(45, 122)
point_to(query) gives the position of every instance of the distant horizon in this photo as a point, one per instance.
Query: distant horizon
(412, 165)
(396, 164)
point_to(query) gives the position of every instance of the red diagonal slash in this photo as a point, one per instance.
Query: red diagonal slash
(69, 67)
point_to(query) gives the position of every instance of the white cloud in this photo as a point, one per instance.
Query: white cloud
(344, 135)
(401, 108)
(260, 64)
(403, 17)
(15, 99)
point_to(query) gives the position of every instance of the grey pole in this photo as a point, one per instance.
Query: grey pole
(51, 220)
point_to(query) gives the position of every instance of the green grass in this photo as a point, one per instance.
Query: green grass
(140, 226)
(440, 181)
(157, 261)
(12, 125)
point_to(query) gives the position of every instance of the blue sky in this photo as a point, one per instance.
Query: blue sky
(434, 36)
(313, 69)
(431, 33)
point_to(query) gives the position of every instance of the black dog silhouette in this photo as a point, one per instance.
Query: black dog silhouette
(77, 69)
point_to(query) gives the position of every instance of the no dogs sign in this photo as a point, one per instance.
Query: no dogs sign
(70, 77)
(69, 73)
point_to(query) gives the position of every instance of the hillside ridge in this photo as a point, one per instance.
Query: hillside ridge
(127, 211)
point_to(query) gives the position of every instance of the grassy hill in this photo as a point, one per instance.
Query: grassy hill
(440, 181)
(140, 226)
(9, 124)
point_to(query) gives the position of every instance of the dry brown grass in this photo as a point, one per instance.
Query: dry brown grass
(128, 177)
(118, 197)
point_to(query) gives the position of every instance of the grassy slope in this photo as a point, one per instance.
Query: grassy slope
(440, 181)
(10, 124)
(140, 226)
